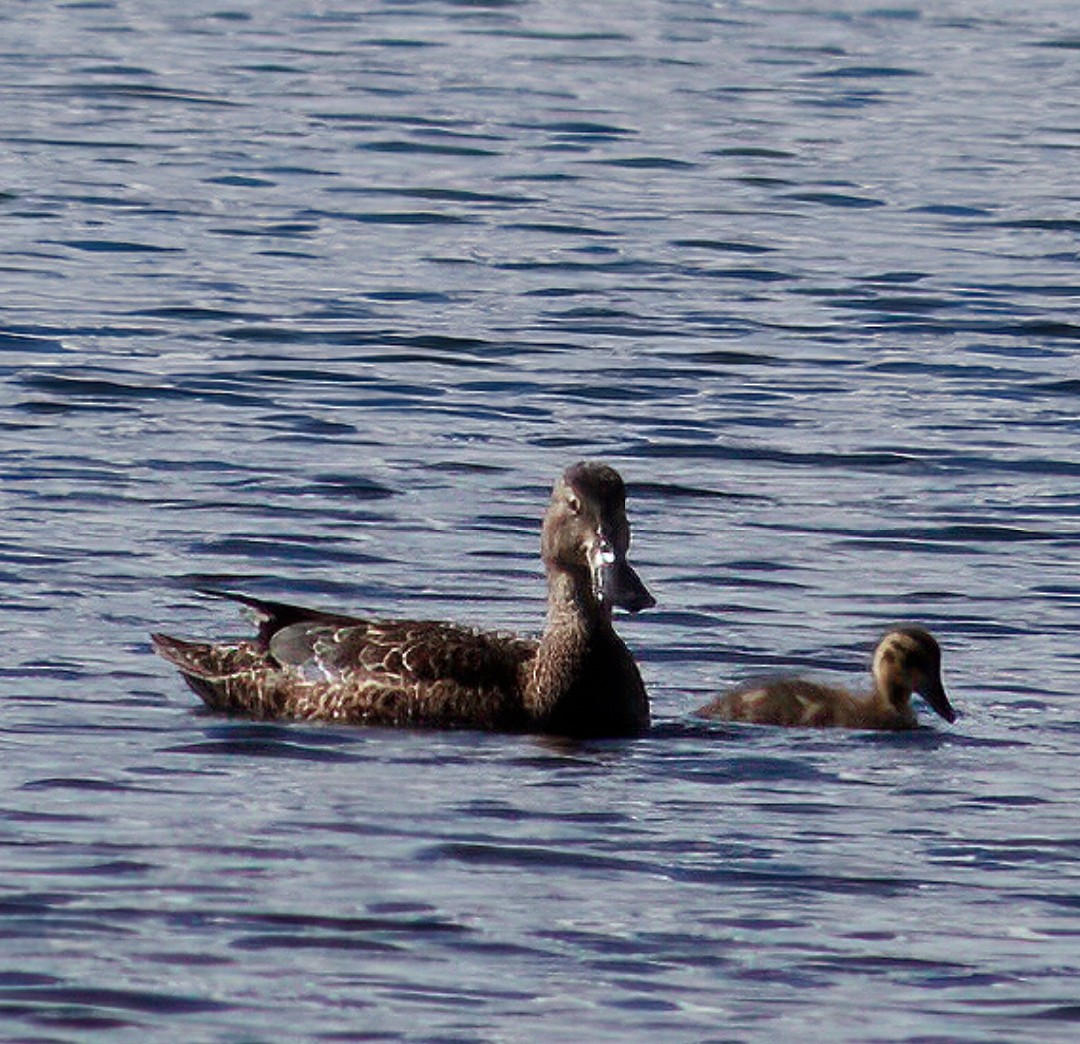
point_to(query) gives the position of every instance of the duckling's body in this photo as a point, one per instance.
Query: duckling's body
(907, 660)
(578, 679)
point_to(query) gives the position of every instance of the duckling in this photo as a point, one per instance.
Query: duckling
(907, 659)
(579, 679)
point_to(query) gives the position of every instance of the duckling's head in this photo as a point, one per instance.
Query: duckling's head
(907, 660)
(586, 533)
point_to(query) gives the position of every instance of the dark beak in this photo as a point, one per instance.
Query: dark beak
(615, 582)
(934, 694)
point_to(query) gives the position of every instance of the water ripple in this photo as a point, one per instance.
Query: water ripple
(317, 302)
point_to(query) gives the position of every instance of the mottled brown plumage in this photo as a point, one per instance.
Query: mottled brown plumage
(578, 679)
(907, 660)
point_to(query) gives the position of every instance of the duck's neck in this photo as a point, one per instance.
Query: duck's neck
(896, 696)
(574, 621)
(572, 604)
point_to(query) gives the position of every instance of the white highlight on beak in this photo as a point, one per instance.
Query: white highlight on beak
(601, 553)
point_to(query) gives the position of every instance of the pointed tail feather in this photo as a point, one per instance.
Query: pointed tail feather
(193, 658)
(212, 671)
(275, 616)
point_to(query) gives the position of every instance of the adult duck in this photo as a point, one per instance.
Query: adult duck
(907, 660)
(579, 679)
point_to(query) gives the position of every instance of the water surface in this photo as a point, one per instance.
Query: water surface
(316, 302)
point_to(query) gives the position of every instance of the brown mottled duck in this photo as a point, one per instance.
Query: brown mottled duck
(578, 679)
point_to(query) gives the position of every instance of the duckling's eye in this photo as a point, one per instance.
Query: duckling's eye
(573, 504)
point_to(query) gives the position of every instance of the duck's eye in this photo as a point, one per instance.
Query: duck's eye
(573, 504)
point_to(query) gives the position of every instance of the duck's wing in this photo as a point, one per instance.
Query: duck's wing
(404, 672)
(402, 651)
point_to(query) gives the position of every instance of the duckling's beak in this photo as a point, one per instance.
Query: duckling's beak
(614, 581)
(934, 693)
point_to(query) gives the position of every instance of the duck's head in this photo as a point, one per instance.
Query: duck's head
(586, 534)
(908, 659)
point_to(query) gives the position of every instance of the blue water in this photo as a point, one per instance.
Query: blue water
(317, 300)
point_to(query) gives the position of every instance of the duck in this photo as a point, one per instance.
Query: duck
(578, 679)
(906, 660)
